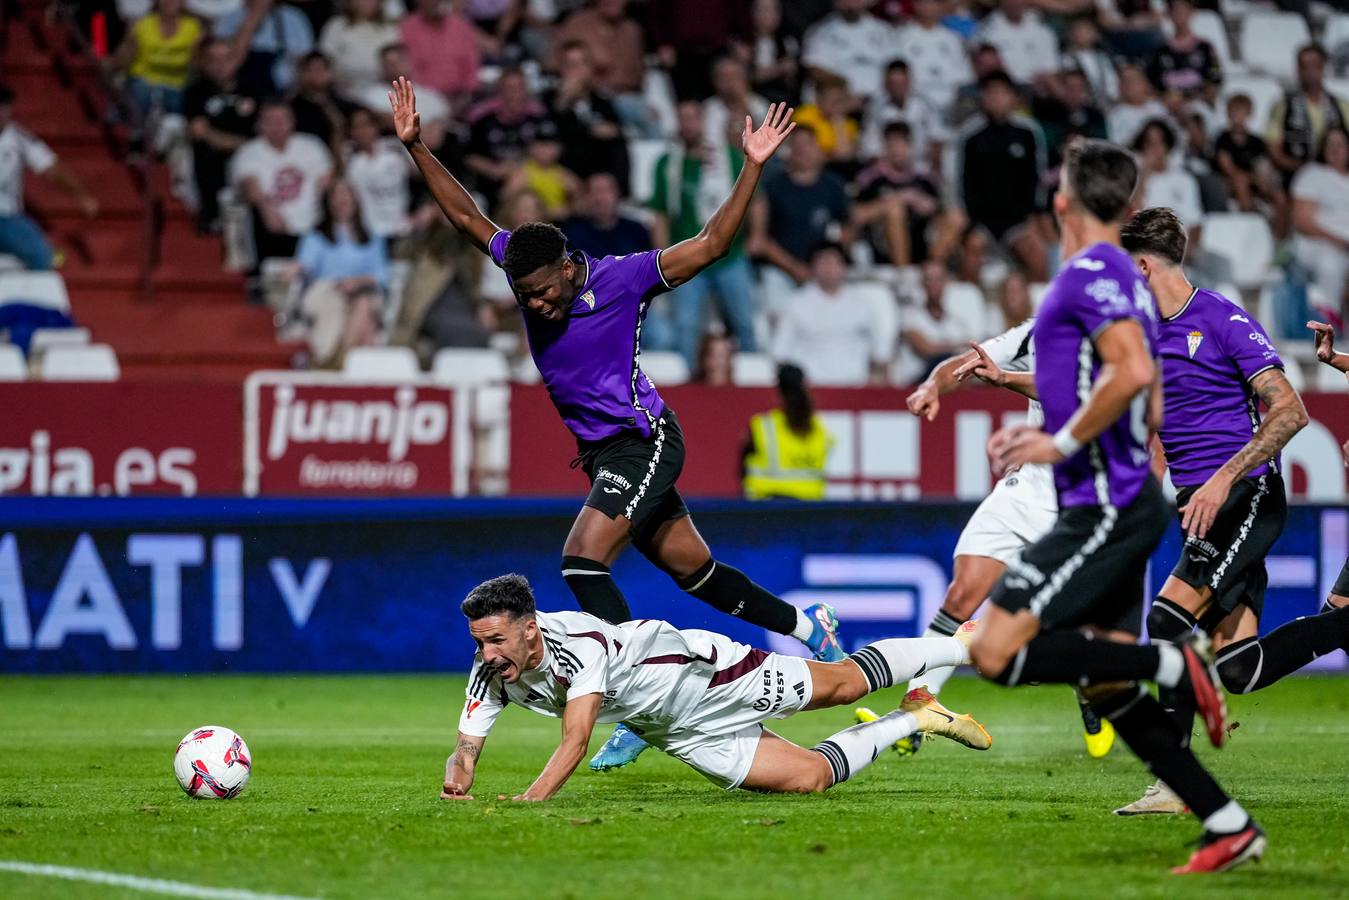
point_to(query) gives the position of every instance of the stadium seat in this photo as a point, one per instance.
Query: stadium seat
(1037, 294)
(1245, 239)
(1209, 25)
(665, 368)
(381, 364)
(1336, 38)
(459, 366)
(643, 155)
(1292, 370)
(13, 367)
(754, 370)
(1264, 92)
(965, 302)
(1338, 86)
(34, 288)
(1270, 41)
(10, 263)
(1331, 381)
(45, 338)
(80, 362)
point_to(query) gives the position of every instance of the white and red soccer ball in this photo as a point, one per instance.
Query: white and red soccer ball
(213, 763)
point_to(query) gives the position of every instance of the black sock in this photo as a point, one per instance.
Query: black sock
(1153, 738)
(1170, 622)
(729, 590)
(944, 623)
(595, 589)
(1072, 657)
(1256, 663)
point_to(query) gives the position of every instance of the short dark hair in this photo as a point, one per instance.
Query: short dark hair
(897, 65)
(505, 595)
(532, 246)
(1240, 100)
(1313, 48)
(1156, 231)
(898, 128)
(829, 247)
(1168, 134)
(997, 76)
(1102, 177)
(314, 56)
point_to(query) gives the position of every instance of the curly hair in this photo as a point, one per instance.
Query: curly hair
(505, 595)
(533, 246)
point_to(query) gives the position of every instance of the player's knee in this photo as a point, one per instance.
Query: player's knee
(852, 686)
(814, 779)
(1168, 621)
(1113, 699)
(1238, 670)
(994, 662)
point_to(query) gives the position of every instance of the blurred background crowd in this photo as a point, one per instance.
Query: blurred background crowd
(908, 215)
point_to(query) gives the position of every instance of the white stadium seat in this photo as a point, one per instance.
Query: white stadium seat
(1270, 41)
(380, 364)
(457, 366)
(754, 370)
(1337, 33)
(13, 367)
(1245, 239)
(1331, 381)
(965, 303)
(665, 368)
(1292, 370)
(10, 263)
(44, 338)
(1264, 92)
(34, 288)
(80, 362)
(1209, 25)
(643, 154)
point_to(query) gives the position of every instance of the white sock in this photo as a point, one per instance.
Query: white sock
(804, 627)
(933, 679)
(1172, 665)
(898, 659)
(853, 749)
(1228, 820)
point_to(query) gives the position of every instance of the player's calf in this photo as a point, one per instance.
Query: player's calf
(1254, 663)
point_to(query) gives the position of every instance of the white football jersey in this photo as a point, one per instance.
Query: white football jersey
(650, 673)
(1014, 351)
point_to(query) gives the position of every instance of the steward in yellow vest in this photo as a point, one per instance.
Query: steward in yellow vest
(788, 447)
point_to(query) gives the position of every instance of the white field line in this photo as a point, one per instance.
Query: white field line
(136, 883)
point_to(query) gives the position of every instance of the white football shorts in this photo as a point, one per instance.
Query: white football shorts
(1020, 510)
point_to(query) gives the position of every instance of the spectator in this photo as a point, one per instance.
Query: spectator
(689, 35)
(984, 60)
(788, 447)
(1321, 217)
(378, 170)
(602, 230)
(432, 105)
(927, 132)
(277, 36)
(314, 103)
(542, 174)
(772, 53)
(1300, 121)
(906, 204)
(346, 272)
(1186, 64)
(716, 358)
(1137, 106)
(731, 101)
(834, 330)
(613, 43)
(157, 55)
(851, 45)
(691, 181)
(19, 235)
(1027, 46)
(797, 208)
(835, 130)
(494, 25)
(221, 117)
(1068, 110)
(936, 57)
(443, 50)
(930, 332)
(352, 41)
(996, 167)
(1084, 54)
(1243, 159)
(281, 175)
(501, 130)
(1163, 182)
(1014, 303)
(1133, 29)
(588, 124)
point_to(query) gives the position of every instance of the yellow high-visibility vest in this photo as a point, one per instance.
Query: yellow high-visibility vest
(784, 463)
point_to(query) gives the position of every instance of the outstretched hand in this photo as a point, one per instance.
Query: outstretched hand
(761, 144)
(407, 122)
(1325, 340)
(982, 367)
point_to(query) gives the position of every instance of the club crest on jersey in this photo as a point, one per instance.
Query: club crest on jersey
(1193, 340)
(589, 298)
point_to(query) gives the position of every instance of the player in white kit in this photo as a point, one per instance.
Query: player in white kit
(1019, 511)
(699, 696)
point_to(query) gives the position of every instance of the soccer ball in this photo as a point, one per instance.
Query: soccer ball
(213, 763)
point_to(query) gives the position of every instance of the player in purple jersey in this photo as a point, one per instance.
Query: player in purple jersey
(1218, 366)
(1069, 608)
(583, 318)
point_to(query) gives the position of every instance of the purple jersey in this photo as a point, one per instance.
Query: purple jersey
(589, 360)
(1210, 351)
(1094, 289)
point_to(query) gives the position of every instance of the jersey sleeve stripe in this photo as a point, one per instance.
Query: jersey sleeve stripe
(661, 273)
(1278, 366)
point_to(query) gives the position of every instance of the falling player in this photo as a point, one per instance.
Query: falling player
(699, 696)
(1326, 353)
(583, 317)
(1069, 608)
(1018, 512)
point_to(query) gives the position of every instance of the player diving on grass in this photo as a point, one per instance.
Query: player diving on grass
(1018, 512)
(699, 696)
(1069, 608)
(583, 318)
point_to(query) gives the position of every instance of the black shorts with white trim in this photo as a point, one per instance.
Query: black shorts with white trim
(1090, 568)
(634, 476)
(1230, 558)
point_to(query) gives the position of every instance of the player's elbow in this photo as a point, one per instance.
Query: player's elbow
(711, 247)
(1297, 414)
(1136, 374)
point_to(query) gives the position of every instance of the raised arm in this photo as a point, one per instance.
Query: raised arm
(461, 765)
(578, 720)
(449, 194)
(982, 366)
(687, 258)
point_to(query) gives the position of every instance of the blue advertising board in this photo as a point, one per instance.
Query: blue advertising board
(191, 585)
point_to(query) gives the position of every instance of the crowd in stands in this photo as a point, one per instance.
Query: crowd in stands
(908, 214)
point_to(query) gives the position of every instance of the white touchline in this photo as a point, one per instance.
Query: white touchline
(136, 883)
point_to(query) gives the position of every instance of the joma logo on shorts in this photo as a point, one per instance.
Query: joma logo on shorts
(606, 475)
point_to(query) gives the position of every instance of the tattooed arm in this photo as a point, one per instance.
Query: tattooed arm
(1285, 418)
(460, 766)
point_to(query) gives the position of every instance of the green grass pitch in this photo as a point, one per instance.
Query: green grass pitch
(343, 801)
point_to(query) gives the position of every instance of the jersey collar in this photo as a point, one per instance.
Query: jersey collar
(1194, 292)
